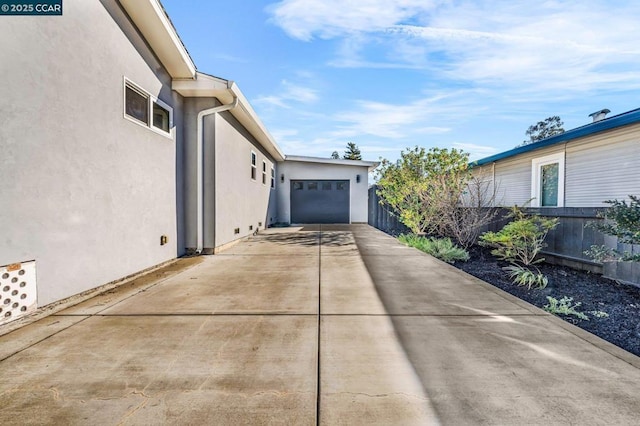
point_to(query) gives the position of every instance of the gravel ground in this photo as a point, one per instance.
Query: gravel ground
(620, 301)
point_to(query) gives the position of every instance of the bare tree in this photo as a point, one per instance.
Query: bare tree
(475, 209)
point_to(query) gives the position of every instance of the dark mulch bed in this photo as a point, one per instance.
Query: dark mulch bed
(620, 301)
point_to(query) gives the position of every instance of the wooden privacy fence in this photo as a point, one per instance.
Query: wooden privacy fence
(565, 244)
(382, 217)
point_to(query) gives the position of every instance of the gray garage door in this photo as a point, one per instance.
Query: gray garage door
(319, 201)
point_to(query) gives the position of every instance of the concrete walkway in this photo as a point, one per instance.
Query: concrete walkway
(315, 325)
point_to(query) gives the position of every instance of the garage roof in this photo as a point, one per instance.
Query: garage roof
(359, 163)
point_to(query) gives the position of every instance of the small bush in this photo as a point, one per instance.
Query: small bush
(521, 240)
(441, 248)
(623, 222)
(526, 277)
(564, 307)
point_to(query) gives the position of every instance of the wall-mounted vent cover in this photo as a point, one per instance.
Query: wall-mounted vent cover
(17, 290)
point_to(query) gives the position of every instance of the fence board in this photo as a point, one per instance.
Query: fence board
(566, 243)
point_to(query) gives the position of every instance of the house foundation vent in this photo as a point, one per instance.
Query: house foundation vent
(17, 290)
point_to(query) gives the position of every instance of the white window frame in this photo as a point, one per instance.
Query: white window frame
(254, 166)
(264, 173)
(273, 178)
(152, 99)
(536, 177)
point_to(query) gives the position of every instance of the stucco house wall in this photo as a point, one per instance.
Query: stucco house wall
(328, 169)
(85, 192)
(242, 203)
(232, 200)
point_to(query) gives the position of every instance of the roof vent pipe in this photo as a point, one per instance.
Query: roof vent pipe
(599, 115)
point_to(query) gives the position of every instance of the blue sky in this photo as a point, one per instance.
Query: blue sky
(392, 74)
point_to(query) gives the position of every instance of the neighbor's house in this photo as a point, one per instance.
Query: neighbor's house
(570, 175)
(118, 155)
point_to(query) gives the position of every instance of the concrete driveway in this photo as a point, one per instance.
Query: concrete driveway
(335, 325)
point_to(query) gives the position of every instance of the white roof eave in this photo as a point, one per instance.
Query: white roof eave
(206, 86)
(155, 26)
(358, 163)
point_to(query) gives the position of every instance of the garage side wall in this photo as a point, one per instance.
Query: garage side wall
(299, 170)
(85, 192)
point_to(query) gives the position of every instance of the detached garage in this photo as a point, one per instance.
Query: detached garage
(323, 190)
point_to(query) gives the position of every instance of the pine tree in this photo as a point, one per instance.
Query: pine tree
(335, 155)
(546, 128)
(352, 152)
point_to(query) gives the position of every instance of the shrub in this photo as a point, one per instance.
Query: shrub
(434, 192)
(409, 185)
(442, 248)
(521, 240)
(525, 277)
(623, 222)
(564, 307)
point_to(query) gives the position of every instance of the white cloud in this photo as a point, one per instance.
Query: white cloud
(523, 46)
(475, 151)
(432, 114)
(288, 93)
(305, 19)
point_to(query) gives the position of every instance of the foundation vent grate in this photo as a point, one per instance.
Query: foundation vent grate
(17, 290)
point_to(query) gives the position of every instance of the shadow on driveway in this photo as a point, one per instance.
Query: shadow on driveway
(486, 357)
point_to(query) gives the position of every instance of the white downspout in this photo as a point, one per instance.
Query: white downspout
(200, 167)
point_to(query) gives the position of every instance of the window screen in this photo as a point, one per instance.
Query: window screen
(254, 160)
(160, 117)
(136, 105)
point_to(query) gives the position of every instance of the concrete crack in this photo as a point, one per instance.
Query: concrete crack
(384, 395)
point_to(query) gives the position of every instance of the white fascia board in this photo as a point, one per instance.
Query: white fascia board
(358, 163)
(155, 26)
(245, 114)
(207, 86)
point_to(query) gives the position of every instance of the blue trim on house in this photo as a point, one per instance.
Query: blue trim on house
(626, 118)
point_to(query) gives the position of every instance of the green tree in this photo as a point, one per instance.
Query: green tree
(352, 152)
(427, 188)
(548, 127)
(335, 155)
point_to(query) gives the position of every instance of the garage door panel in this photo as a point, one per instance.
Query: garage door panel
(320, 201)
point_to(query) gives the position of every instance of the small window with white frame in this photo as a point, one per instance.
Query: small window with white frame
(547, 181)
(254, 167)
(144, 109)
(273, 178)
(264, 172)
